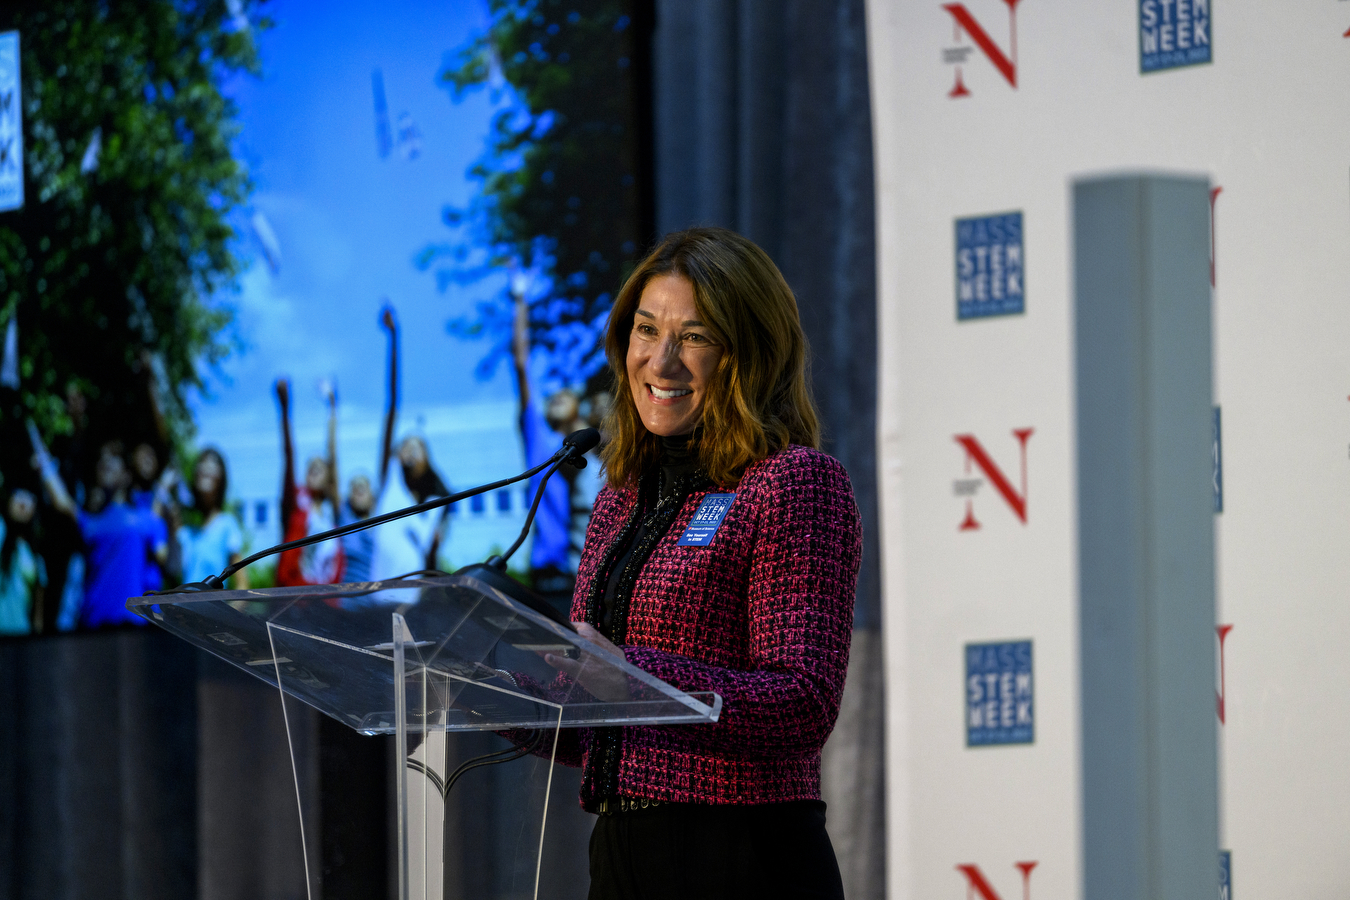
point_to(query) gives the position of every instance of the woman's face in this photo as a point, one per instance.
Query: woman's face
(561, 409)
(671, 357)
(111, 472)
(22, 505)
(360, 496)
(206, 477)
(144, 461)
(412, 454)
(316, 476)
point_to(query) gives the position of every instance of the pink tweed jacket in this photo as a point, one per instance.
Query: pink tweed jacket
(762, 615)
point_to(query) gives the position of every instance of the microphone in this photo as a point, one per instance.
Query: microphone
(582, 442)
(493, 572)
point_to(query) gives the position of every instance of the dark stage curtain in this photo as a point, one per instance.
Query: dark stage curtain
(762, 124)
(133, 767)
(98, 767)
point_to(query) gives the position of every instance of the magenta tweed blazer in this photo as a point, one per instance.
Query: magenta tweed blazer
(763, 615)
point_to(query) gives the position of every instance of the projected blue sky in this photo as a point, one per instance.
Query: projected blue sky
(347, 223)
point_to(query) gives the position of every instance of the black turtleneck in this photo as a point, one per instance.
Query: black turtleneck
(678, 459)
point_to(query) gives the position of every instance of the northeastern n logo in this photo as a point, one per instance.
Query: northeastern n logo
(969, 36)
(978, 884)
(977, 457)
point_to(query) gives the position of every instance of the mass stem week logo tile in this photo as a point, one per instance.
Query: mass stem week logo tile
(1000, 694)
(990, 266)
(1174, 33)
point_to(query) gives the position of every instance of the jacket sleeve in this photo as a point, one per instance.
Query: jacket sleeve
(572, 741)
(569, 746)
(803, 575)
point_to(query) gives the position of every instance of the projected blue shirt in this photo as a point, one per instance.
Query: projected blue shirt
(358, 547)
(25, 573)
(120, 539)
(145, 502)
(552, 522)
(207, 548)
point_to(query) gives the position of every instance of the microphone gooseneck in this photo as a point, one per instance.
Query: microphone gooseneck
(580, 442)
(575, 445)
(493, 572)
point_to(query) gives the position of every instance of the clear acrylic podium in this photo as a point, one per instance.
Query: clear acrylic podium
(422, 658)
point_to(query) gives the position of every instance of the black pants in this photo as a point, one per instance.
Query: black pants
(687, 850)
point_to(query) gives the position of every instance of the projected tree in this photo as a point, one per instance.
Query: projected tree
(558, 184)
(111, 265)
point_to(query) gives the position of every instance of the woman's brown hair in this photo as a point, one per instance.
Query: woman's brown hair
(759, 398)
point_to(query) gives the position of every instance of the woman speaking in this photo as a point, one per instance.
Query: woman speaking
(721, 556)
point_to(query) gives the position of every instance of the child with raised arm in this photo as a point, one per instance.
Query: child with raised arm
(122, 542)
(309, 508)
(410, 544)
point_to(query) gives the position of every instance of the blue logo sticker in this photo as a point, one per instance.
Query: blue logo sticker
(1000, 706)
(706, 520)
(1225, 875)
(1173, 33)
(989, 266)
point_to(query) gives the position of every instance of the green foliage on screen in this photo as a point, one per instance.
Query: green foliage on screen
(115, 264)
(558, 186)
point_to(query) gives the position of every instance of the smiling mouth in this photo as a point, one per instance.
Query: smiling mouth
(668, 395)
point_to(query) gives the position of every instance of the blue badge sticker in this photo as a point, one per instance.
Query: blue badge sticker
(706, 520)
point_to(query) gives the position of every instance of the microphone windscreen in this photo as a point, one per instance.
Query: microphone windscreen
(584, 441)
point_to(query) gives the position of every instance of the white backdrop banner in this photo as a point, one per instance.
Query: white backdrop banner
(984, 112)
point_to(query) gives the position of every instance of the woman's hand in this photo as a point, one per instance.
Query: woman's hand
(602, 682)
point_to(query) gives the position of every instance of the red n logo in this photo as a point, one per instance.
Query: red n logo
(1005, 63)
(975, 453)
(976, 883)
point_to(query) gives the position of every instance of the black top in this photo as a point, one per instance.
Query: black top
(661, 495)
(678, 460)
